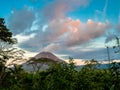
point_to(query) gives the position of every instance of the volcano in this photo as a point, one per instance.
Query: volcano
(48, 55)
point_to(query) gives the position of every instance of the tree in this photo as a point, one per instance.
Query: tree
(40, 63)
(117, 46)
(5, 40)
(6, 44)
(7, 51)
(5, 34)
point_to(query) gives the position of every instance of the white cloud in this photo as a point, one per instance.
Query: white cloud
(103, 12)
(51, 47)
(24, 38)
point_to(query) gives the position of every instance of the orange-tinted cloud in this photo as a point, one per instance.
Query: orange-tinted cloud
(69, 33)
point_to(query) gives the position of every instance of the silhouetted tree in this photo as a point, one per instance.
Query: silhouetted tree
(5, 34)
(7, 51)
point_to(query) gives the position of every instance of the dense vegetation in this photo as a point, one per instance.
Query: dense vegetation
(63, 76)
(59, 76)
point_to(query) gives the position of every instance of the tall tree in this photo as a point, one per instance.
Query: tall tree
(7, 52)
(5, 34)
(6, 41)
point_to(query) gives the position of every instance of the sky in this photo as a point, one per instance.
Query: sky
(77, 28)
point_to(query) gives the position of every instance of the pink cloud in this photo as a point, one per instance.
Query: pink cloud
(86, 32)
(59, 8)
(69, 33)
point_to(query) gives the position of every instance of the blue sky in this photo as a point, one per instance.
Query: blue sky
(77, 28)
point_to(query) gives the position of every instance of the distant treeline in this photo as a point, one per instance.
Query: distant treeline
(62, 76)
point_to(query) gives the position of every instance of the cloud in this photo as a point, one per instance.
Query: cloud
(103, 12)
(110, 37)
(75, 32)
(60, 32)
(85, 32)
(23, 38)
(51, 47)
(113, 34)
(67, 33)
(59, 8)
(21, 21)
(52, 12)
(98, 54)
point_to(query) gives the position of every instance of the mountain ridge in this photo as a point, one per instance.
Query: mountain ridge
(48, 55)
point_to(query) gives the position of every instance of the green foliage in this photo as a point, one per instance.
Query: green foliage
(5, 34)
(63, 76)
(7, 52)
(37, 64)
